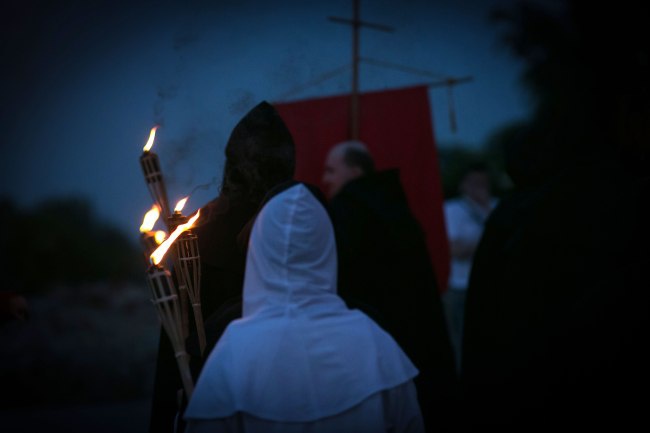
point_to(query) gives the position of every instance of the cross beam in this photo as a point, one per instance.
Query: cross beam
(356, 24)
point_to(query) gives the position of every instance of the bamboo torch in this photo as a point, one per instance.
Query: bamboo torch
(166, 300)
(187, 249)
(173, 221)
(153, 175)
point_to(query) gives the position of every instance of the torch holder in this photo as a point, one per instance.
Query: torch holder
(174, 220)
(165, 299)
(155, 182)
(189, 260)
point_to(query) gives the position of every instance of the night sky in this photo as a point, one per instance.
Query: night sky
(86, 80)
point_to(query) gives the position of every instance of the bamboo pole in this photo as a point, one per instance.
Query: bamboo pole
(153, 177)
(187, 248)
(165, 299)
(173, 221)
(182, 294)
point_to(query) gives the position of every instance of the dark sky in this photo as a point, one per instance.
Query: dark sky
(86, 80)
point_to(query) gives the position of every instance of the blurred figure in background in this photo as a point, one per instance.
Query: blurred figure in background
(465, 218)
(385, 271)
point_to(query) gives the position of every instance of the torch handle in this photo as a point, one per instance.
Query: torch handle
(185, 319)
(183, 360)
(182, 295)
(200, 329)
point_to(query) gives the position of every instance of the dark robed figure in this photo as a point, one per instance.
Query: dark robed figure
(557, 308)
(385, 271)
(259, 155)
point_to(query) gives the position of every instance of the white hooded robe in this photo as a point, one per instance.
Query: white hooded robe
(299, 360)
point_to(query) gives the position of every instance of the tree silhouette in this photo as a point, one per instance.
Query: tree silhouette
(62, 241)
(588, 74)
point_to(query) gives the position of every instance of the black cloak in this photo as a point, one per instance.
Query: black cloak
(557, 306)
(385, 271)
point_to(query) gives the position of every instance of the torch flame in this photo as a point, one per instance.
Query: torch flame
(150, 219)
(160, 236)
(181, 204)
(160, 252)
(152, 135)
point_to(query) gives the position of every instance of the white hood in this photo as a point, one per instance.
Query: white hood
(298, 354)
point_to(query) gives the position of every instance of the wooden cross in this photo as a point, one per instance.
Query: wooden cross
(356, 24)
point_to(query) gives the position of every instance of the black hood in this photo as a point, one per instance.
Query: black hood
(259, 155)
(260, 130)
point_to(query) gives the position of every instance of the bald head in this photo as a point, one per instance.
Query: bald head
(346, 161)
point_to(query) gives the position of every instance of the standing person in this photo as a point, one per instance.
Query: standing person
(557, 303)
(465, 218)
(259, 155)
(557, 308)
(299, 359)
(385, 270)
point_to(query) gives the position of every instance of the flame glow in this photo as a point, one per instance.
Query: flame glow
(152, 135)
(160, 252)
(150, 219)
(160, 236)
(181, 204)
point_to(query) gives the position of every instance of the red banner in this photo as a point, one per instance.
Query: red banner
(396, 127)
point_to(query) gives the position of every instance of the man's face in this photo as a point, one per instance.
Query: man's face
(337, 173)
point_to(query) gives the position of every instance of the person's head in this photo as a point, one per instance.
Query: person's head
(475, 184)
(259, 155)
(346, 161)
(291, 251)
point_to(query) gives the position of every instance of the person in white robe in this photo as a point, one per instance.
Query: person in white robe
(299, 360)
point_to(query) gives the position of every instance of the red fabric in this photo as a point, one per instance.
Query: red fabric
(396, 127)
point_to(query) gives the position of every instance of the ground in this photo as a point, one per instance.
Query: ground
(83, 361)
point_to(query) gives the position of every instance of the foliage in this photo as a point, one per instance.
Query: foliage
(588, 73)
(62, 241)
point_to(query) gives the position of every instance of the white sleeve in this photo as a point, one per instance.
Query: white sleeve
(403, 410)
(453, 220)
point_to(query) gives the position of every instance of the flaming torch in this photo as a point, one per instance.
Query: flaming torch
(153, 175)
(166, 300)
(147, 236)
(159, 236)
(177, 218)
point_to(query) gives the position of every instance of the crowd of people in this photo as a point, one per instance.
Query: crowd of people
(328, 318)
(330, 300)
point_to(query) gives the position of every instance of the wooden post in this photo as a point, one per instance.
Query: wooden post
(353, 125)
(356, 23)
